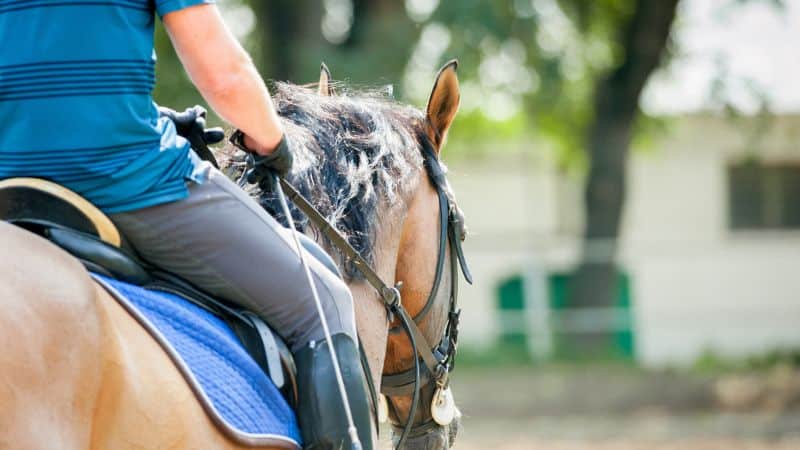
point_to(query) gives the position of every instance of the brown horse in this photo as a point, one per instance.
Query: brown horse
(77, 371)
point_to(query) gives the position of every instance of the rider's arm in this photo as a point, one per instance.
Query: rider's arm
(224, 74)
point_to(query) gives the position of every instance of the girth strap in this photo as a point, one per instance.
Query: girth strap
(270, 348)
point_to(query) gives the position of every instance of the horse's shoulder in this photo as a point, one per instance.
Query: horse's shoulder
(50, 333)
(42, 274)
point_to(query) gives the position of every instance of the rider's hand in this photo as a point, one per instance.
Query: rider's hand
(191, 124)
(278, 161)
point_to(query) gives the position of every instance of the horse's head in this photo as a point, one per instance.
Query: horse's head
(427, 267)
(371, 167)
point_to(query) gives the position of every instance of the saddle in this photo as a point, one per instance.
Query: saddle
(71, 222)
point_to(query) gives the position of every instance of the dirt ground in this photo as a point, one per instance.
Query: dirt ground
(625, 433)
(690, 444)
(622, 408)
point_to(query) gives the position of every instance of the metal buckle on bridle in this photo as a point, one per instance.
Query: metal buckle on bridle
(456, 218)
(442, 374)
(392, 299)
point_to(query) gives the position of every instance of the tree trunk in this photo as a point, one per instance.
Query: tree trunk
(644, 40)
(361, 17)
(278, 24)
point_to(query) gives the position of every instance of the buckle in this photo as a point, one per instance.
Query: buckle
(455, 316)
(458, 223)
(392, 299)
(391, 296)
(442, 375)
(237, 139)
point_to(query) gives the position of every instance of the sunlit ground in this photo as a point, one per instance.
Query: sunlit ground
(623, 408)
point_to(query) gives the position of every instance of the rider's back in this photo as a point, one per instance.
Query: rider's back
(75, 104)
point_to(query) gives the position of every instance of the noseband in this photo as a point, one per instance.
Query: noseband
(432, 364)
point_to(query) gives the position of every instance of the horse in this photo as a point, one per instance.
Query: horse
(77, 371)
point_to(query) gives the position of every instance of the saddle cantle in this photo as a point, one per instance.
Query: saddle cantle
(40, 202)
(71, 222)
(68, 220)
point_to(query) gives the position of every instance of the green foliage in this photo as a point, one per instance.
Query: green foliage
(711, 362)
(547, 54)
(475, 128)
(528, 68)
(648, 131)
(494, 356)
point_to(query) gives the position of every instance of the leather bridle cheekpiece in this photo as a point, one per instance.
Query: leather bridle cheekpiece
(437, 361)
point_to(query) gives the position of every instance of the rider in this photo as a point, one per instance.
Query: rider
(75, 103)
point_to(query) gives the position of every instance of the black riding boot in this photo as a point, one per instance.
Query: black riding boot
(323, 422)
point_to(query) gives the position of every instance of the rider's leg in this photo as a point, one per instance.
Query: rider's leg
(225, 243)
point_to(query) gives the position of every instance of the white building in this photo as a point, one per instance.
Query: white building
(713, 259)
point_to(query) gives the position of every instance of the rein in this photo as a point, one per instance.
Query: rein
(438, 361)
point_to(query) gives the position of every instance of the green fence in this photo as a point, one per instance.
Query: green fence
(567, 333)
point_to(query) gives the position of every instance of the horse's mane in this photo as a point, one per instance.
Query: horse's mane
(354, 153)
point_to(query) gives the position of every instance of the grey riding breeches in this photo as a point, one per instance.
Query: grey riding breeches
(223, 242)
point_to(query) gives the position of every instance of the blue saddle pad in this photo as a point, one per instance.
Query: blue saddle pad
(239, 391)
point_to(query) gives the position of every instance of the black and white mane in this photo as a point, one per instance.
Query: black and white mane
(354, 153)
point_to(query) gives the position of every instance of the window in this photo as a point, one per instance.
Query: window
(764, 196)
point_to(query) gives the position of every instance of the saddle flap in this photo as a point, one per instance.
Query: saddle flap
(89, 248)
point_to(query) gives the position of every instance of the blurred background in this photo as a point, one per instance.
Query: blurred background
(630, 171)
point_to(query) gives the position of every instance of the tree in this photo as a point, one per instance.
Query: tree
(616, 106)
(360, 34)
(590, 62)
(282, 27)
(582, 87)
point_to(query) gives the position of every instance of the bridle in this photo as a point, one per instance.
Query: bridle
(440, 360)
(432, 364)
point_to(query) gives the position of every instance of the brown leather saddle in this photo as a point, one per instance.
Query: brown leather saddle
(71, 222)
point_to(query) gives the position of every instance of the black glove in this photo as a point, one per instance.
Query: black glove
(261, 166)
(191, 124)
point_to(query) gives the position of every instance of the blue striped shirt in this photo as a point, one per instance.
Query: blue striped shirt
(75, 101)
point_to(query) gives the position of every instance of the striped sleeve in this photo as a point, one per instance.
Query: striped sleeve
(164, 7)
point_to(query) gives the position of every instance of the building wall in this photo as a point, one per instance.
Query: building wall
(697, 286)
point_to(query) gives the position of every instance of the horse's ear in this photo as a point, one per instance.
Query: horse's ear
(442, 104)
(324, 85)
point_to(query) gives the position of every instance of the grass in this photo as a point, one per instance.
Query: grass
(514, 356)
(711, 362)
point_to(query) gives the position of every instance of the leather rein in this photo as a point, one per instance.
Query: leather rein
(431, 362)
